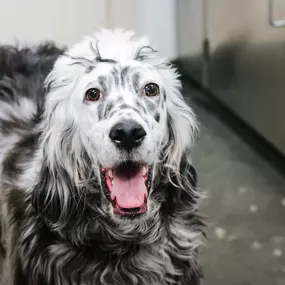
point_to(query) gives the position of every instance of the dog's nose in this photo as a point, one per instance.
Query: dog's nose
(127, 134)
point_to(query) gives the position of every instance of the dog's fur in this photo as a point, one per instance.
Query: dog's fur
(57, 227)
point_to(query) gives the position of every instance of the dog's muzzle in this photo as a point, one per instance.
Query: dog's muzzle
(127, 135)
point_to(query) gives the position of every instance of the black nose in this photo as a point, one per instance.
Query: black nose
(127, 134)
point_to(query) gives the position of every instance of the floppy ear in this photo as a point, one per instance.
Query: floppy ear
(176, 196)
(182, 126)
(55, 197)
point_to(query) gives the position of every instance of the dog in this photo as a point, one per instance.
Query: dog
(97, 184)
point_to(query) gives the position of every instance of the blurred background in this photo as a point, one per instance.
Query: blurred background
(231, 55)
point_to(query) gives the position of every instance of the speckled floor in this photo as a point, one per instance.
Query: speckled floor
(245, 208)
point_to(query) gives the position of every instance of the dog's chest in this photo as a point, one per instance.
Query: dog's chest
(152, 265)
(164, 262)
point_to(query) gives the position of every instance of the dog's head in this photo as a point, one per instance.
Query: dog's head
(115, 124)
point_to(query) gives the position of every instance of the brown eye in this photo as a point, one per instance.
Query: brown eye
(151, 90)
(92, 94)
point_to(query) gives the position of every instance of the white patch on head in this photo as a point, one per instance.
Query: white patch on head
(116, 44)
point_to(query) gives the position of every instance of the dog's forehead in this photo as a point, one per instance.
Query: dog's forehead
(127, 74)
(121, 85)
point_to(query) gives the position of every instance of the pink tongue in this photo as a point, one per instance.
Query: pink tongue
(129, 192)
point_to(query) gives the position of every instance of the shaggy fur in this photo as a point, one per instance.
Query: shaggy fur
(57, 224)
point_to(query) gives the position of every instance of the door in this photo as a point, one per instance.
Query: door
(236, 49)
(247, 62)
(191, 34)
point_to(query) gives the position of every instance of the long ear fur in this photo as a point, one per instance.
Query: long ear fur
(182, 127)
(58, 128)
(54, 197)
(64, 205)
(57, 195)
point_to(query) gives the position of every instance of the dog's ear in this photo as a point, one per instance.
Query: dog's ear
(182, 126)
(55, 197)
(181, 193)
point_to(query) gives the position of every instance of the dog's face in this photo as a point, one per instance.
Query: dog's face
(112, 98)
(125, 113)
(122, 115)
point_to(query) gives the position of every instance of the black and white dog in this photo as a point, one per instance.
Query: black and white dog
(97, 186)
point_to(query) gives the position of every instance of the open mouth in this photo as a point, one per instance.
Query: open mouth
(127, 188)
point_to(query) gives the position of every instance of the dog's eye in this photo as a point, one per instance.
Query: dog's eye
(92, 94)
(151, 89)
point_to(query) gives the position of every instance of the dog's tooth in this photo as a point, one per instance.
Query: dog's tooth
(110, 173)
(144, 170)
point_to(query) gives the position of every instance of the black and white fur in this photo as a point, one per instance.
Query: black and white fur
(57, 227)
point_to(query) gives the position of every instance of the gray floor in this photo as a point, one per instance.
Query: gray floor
(245, 208)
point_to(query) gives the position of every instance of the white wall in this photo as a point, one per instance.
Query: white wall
(66, 21)
(154, 18)
(157, 18)
(121, 13)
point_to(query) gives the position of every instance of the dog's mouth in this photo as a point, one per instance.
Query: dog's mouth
(127, 188)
